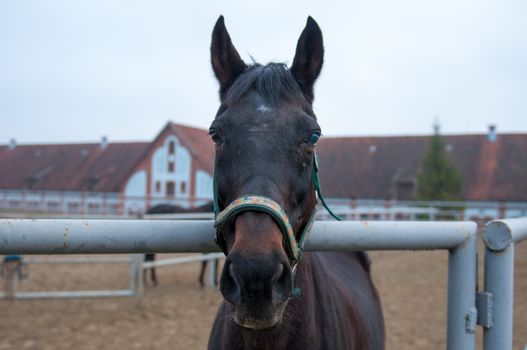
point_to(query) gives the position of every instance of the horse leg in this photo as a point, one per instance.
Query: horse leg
(216, 263)
(202, 272)
(154, 278)
(145, 272)
(153, 272)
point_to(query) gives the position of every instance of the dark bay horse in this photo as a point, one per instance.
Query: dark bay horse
(265, 133)
(172, 209)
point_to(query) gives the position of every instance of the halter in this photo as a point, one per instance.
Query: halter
(250, 202)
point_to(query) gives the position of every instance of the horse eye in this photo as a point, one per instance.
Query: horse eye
(313, 139)
(215, 137)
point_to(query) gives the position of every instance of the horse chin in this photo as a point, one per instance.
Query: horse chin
(245, 321)
(257, 325)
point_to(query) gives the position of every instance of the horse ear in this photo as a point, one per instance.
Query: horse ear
(226, 62)
(309, 58)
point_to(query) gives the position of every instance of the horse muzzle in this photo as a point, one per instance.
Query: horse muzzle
(258, 286)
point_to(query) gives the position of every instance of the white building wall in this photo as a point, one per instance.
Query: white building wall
(135, 192)
(161, 175)
(204, 187)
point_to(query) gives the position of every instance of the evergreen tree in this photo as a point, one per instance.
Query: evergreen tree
(438, 178)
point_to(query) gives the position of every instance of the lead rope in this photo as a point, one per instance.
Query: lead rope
(316, 183)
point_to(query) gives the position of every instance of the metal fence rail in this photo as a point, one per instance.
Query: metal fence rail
(41, 236)
(500, 237)
(160, 236)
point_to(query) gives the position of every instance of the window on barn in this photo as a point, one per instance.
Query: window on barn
(171, 147)
(183, 187)
(73, 207)
(158, 186)
(93, 207)
(53, 206)
(170, 188)
(32, 205)
(170, 167)
(114, 208)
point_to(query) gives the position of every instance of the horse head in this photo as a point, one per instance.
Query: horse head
(265, 133)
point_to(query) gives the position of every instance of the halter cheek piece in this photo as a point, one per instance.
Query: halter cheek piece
(272, 208)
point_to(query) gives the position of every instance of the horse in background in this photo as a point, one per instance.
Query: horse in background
(173, 209)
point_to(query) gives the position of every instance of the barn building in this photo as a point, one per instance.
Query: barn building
(120, 178)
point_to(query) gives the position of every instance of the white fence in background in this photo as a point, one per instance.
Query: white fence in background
(86, 204)
(135, 261)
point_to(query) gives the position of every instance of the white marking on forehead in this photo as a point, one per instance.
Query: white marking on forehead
(263, 108)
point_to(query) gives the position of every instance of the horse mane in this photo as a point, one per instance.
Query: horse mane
(272, 82)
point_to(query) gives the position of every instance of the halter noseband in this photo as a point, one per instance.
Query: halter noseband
(272, 208)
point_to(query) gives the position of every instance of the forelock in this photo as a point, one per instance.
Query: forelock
(272, 82)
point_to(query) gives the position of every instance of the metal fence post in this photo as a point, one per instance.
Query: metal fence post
(10, 279)
(136, 274)
(499, 281)
(462, 312)
(499, 237)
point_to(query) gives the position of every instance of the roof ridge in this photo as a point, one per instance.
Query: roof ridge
(414, 136)
(189, 144)
(77, 144)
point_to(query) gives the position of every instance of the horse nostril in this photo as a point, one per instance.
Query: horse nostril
(229, 286)
(282, 283)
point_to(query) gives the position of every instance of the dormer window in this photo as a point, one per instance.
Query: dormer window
(171, 147)
(170, 167)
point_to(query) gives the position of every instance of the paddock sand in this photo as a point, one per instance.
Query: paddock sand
(178, 314)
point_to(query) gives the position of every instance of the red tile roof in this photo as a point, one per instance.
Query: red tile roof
(360, 167)
(68, 167)
(198, 142)
(370, 167)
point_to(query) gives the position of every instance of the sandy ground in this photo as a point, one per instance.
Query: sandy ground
(178, 314)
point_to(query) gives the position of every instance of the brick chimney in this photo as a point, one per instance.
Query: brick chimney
(491, 134)
(104, 142)
(12, 144)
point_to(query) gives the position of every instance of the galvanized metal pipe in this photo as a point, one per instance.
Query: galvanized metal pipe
(499, 281)
(23, 236)
(462, 312)
(499, 237)
(136, 274)
(142, 236)
(499, 234)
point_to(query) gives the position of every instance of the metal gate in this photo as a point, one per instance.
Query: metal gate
(142, 236)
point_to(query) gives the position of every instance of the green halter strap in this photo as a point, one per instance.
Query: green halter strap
(316, 183)
(272, 208)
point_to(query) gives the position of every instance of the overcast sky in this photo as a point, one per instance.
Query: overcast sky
(73, 71)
